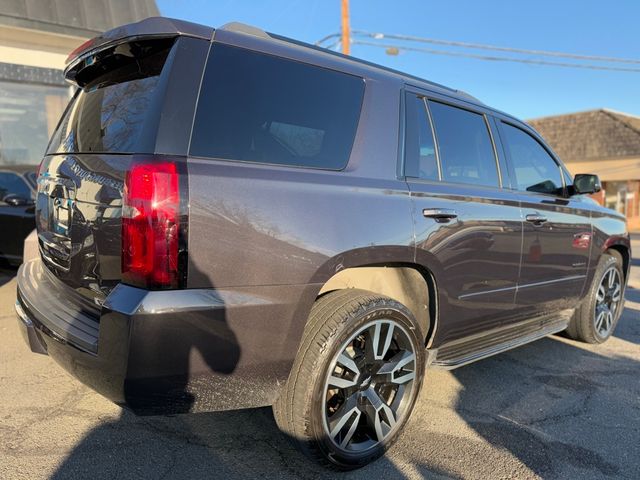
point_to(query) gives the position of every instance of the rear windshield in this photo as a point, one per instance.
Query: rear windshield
(261, 108)
(110, 112)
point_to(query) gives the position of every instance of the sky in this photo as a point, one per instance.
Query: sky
(527, 91)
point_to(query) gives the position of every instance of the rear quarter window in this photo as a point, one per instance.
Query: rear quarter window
(261, 108)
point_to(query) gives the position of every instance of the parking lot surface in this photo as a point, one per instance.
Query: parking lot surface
(552, 409)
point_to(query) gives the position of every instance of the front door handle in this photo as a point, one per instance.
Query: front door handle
(440, 215)
(536, 218)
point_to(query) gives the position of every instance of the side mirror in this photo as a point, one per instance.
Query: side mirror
(584, 183)
(16, 200)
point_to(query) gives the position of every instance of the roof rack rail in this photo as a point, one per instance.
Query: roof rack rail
(462, 93)
(239, 27)
(244, 28)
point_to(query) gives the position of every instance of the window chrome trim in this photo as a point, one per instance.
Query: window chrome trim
(495, 150)
(436, 144)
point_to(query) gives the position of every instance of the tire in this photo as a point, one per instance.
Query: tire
(338, 373)
(595, 319)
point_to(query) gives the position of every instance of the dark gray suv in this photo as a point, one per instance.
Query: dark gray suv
(232, 219)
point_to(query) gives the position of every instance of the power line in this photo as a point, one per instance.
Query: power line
(324, 39)
(334, 45)
(482, 46)
(496, 58)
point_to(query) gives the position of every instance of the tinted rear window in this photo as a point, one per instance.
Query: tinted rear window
(109, 114)
(260, 108)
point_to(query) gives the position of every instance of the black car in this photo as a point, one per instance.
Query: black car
(17, 210)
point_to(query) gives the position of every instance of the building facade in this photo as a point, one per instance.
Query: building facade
(603, 142)
(35, 38)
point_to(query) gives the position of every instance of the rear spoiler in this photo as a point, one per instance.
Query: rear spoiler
(153, 27)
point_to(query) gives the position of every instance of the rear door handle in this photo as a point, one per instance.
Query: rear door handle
(440, 215)
(536, 218)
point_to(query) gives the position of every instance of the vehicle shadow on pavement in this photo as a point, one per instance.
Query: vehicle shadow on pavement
(633, 295)
(560, 407)
(7, 273)
(630, 330)
(240, 444)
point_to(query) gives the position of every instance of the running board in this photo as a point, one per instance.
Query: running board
(467, 350)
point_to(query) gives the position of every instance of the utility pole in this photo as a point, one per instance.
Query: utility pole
(346, 31)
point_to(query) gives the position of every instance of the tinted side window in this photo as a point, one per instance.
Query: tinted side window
(464, 144)
(420, 150)
(534, 169)
(13, 184)
(260, 108)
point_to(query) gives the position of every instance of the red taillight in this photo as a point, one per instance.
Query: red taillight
(151, 225)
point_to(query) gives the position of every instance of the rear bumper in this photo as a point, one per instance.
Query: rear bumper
(168, 351)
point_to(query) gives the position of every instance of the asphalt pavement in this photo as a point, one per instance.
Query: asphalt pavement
(552, 409)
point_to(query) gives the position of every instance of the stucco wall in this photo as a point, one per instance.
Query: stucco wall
(35, 48)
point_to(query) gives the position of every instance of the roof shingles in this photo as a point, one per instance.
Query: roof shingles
(75, 17)
(591, 135)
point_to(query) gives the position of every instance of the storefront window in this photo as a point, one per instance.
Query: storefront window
(28, 116)
(616, 196)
